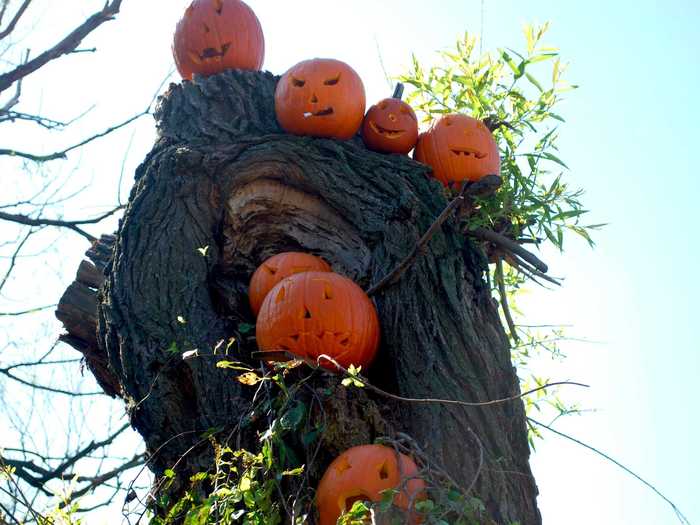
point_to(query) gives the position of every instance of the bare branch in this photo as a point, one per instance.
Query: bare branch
(486, 185)
(63, 153)
(71, 225)
(507, 244)
(27, 312)
(18, 91)
(286, 355)
(13, 259)
(504, 299)
(13, 23)
(65, 46)
(679, 514)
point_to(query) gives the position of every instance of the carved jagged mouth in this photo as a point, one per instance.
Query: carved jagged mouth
(321, 113)
(388, 133)
(210, 54)
(466, 152)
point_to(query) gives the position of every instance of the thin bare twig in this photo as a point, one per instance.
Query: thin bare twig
(13, 259)
(486, 185)
(13, 23)
(679, 514)
(27, 312)
(504, 299)
(316, 365)
(71, 225)
(507, 244)
(65, 46)
(63, 154)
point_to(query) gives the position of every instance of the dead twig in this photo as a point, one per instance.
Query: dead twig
(504, 300)
(485, 186)
(507, 244)
(284, 354)
(65, 46)
(679, 514)
(13, 23)
(71, 225)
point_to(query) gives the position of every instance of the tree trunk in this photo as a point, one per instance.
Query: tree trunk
(223, 189)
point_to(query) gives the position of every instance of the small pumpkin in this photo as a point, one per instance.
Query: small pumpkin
(391, 126)
(321, 97)
(315, 313)
(361, 474)
(459, 148)
(278, 267)
(216, 35)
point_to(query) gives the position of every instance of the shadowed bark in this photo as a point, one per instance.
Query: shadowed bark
(223, 189)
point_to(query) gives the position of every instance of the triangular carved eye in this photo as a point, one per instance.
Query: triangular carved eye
(343, 465)
(297, 82)
(218, 6)
(295, 337)
(306, 314)
(327, 292)
(280, 295)
(332, 81)
(384, 471)
(270, 269)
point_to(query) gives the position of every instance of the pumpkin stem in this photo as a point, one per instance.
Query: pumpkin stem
(398, 92)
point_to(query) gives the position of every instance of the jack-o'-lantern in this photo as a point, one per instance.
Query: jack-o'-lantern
(216, 35)
(459, 148)
(321, 97)
(361, 474)
(391, 126)
(278, 267)
(314, 313)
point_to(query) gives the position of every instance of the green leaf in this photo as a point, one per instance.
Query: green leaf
(245, 328)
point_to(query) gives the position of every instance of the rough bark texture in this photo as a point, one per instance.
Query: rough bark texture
(224, 178)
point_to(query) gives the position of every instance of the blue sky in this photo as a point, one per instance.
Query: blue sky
(629, 141)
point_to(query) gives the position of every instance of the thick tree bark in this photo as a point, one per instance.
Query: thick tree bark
(223, 189)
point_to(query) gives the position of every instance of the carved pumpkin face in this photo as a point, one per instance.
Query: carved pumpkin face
(390, 127)
(459, 148)
(216, 35)
(278, 267)
(361, 474)
(322, 98)
(315, 313)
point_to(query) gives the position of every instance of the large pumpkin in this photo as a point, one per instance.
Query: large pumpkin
(315, 313)
(459, 148)
(361, 474)
(216, 35)
(391, 126)
(278, 267)
(321, 97)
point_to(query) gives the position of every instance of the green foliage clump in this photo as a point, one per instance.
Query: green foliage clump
(535, 200)
(519, 94)
(245, 487)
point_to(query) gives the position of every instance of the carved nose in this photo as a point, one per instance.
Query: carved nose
(392, 117)
(314, 99)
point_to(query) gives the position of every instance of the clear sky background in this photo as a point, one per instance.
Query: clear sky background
(630, 141)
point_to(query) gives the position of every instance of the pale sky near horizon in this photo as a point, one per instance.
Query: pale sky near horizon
(629, 140)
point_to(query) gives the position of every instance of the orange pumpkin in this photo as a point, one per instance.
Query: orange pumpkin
(321, 97)
(391, 126)
(216, 35)
(276, 268)
(361, 474)
(459, 148)
(315, 313)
